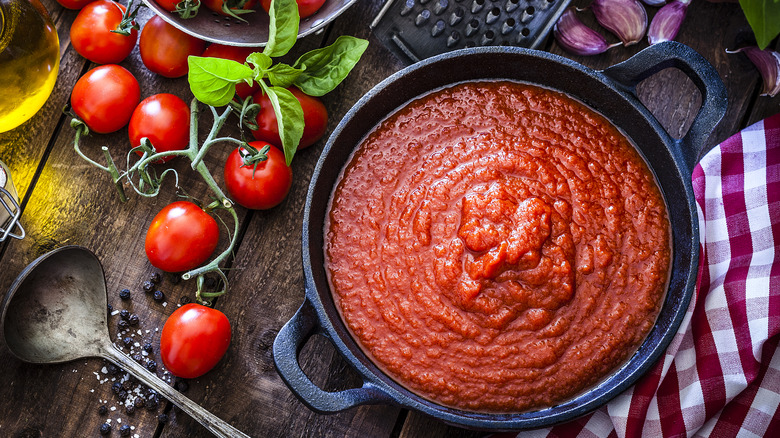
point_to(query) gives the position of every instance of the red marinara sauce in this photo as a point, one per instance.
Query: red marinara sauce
(497, 247)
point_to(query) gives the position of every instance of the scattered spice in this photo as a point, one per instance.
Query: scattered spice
(124, 294)
(105, 429)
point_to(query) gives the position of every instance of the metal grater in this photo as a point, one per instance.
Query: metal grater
(418, 29)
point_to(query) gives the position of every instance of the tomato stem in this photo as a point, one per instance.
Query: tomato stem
(115, 176)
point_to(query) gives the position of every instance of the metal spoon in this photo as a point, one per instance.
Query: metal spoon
(56, 312)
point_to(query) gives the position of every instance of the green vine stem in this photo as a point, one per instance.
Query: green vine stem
(149, 183)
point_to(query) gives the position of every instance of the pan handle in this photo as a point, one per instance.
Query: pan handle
(288, 344)
(673, 54)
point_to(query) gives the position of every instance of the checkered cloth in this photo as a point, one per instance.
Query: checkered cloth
(720, 377)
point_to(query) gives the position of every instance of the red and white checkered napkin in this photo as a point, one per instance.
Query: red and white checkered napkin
(720, 377)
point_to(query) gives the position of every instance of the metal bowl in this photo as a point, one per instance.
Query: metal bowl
(212, 27)
(610, 92)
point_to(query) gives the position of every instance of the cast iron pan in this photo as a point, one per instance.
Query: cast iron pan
(610, 92)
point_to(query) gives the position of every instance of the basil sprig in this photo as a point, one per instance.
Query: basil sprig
(213, 80)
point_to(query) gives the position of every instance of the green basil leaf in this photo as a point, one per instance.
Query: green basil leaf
(289, 118)
(213, 80)
(282, 75)
(764, 18)
(259, 60)
(283, 29)
(325, 68)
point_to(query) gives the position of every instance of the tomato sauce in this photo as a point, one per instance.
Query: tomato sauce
(497, 247)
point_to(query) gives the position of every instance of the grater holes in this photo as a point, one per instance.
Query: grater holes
(407, 8)
(477, 6)
(422, 17)
(472, 27)
(487, 38)
(528, 14)
(493, 15)
(438, 28)
(440, 6)
(511, 5)
(457, 16)
(508, 26)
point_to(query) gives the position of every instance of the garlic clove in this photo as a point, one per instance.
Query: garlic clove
(768, 64)
(575, 37)
(625, 18)
(667, 21)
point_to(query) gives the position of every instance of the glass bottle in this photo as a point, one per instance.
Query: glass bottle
(29, 60)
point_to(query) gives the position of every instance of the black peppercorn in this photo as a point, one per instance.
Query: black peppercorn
(123, 325)
(158, 295)
(124, 314)
(105, 429)
(124, 430)
(162, 418)
(138, 402)
(138, 358)
(152, 403)
(122, 395)
(148, 347)
(155, 278)
(110, 308)
(133, 319)
(128, 341)
(112, 369)
(124, 294)
(182, 385)
(116, 387)
(127, 385)
(102, 410)
(151, 366)
(130, 409)
(148, 286)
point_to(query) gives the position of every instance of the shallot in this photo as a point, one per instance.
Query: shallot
(667, 21)
(768, 64)
(627, 19)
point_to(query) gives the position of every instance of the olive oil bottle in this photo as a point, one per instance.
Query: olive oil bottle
(29, 60)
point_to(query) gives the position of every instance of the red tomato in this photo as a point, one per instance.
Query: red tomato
(306, 8)
(92, 37)
(258, 188)
(236, 5)
(74, 4)
(237, 54)
(164, 49)
(194, 338)
(315, 119)
(165, 120)
(168, 5)
(181, 237)
(105, 97)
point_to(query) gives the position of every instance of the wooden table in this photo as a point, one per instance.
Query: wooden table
(67, 202)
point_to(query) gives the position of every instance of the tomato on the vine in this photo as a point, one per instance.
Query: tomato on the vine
(105, 97)
(74, 4)
(260, 187)
(219, 6)
(164, 48)
(306, 8)
(238, 54)
(194, 338)
(92, 33)
(181, 237)
(315, 119)
(168, 5)
(165, 120)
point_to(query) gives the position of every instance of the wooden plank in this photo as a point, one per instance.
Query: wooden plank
(74, 203)
(268, 288)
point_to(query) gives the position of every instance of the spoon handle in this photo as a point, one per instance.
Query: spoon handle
(214, 424)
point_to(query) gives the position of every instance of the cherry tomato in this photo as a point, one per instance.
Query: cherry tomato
(181, 237)
(194, 338)
(315, 119)
(258, 188)
(92, 37)
(168, 5)
(306, 8)
(164, 49)
(237, 54)
(236, 5)
(74, 4)
(165, 120)
(105, 97)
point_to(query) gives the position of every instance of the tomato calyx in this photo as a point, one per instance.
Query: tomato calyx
(129, 15)
(187, 8)
(235, 8)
